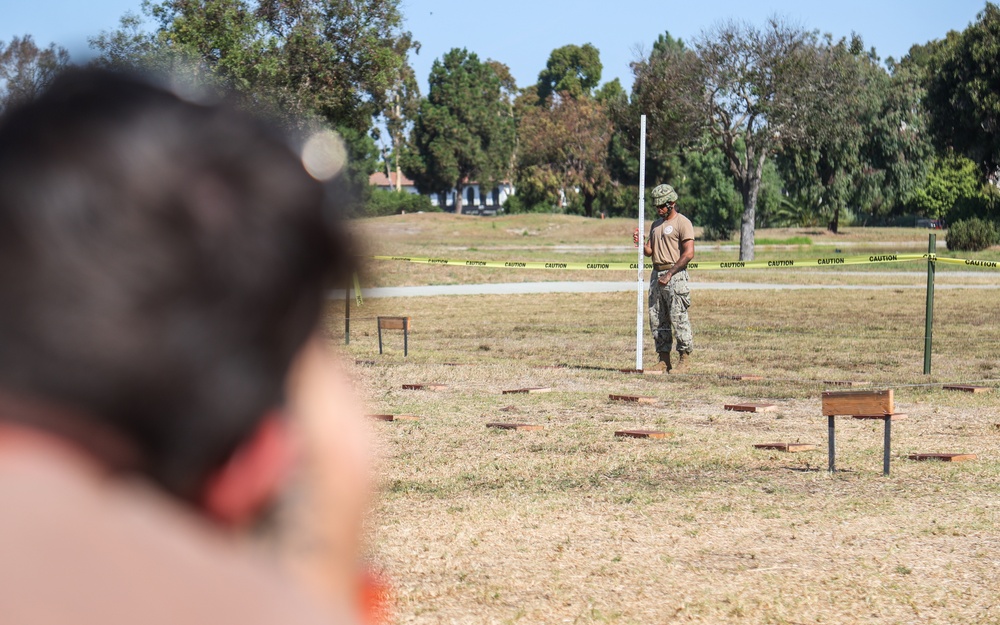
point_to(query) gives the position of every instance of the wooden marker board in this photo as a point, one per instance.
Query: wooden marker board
(848, 403)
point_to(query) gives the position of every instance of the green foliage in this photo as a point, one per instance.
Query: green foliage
(866, 148)
(465, 130)
(708, 196)
(963, 90)
(563, 148)
(771, 196)
(299, 60)
(788, 241)
(619, 200)
(363, 161)
(972, 235)
(26, 69)
(953, 188)
(381, 202)
(572, 70)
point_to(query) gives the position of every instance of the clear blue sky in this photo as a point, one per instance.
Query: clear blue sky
(522, 33)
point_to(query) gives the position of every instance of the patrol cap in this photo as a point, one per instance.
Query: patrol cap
(663, 194)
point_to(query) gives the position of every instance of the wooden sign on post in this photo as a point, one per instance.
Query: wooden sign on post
(395, 323)
(849, 403)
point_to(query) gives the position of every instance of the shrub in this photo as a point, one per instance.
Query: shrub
(972, 235)
(381, 202)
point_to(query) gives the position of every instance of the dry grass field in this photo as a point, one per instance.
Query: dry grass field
(572, 525)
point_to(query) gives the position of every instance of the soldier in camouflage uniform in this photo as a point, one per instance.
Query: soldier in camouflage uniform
(671, 246)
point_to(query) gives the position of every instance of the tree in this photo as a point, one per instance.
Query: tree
(464, 131)
(565, 148)
(572, 70)
(707, 194)
(747, 87)
(564, 136)
(26, 69)
(866, 147)
(963, 90)
(402, 107)
(338, 61)
(953, 190)
(307, 63)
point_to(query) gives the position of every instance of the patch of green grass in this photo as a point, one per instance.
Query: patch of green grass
(788, 241)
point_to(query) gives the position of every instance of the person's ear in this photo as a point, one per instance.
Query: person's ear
(251, 478)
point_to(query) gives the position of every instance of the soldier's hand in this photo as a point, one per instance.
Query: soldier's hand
(635, 236)
(664, 279)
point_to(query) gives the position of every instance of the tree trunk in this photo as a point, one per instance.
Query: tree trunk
(588, 204)
(835, 222)
(747, 225)
(458, 198)
(749, 190)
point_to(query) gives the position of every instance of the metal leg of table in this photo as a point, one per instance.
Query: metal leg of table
(832, 448)
(406, 341)
(380, 336)
(887, 445)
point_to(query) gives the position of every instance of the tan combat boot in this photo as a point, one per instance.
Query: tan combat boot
(683, 360)
(663, 364)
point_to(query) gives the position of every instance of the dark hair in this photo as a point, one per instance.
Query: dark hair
(161, 262)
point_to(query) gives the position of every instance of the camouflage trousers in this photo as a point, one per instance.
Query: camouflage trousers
(668, 312)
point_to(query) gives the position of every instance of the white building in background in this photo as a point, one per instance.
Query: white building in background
(389, 183)
(474, 199)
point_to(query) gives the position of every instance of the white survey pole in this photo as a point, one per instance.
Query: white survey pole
(642, 228)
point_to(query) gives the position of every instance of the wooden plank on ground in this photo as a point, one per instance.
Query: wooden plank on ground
(943, 457)
(642, 371)
(635, 399)
(849, 403)
(394, 417)
(643, 434)
(896, 416)
(751, 407)
(521, 427)
(966, 388)
(524, 391)
(789, 447)
(743, 378)
(424, 387)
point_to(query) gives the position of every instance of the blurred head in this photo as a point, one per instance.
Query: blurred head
(161, 263)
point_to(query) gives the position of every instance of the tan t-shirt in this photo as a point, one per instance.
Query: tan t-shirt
(78, 548)
(665, 238)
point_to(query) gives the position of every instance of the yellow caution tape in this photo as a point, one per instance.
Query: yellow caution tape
(741, 264)
(988, 264)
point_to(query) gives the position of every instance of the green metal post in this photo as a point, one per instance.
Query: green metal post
(929, 317)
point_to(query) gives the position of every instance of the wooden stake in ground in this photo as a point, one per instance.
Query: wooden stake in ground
(394, 417)
(751, 407)
(424, 387)
(525, 391)
(788, 447)
(966, 388)
(943, 457)
(635, 399)
(642, 434)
